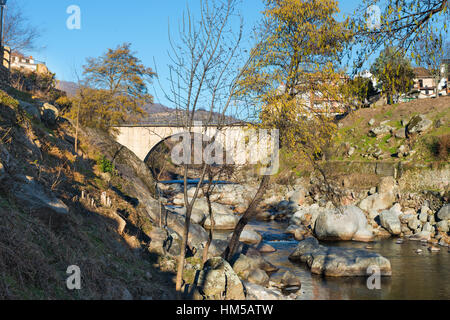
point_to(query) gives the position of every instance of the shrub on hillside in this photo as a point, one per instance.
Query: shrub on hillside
(443, 147)
(7, 100)
(440, 147)
(105, 165)
(64, 103)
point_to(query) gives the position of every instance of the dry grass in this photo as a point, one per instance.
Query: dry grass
(443, 147)
(34, 255)
(398, 111)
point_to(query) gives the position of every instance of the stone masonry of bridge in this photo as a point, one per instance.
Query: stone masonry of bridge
(143, 139)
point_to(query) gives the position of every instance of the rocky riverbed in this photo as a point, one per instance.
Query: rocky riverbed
(285, 260)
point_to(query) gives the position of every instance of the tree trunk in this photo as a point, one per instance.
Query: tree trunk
(211, 230)
(249, 213)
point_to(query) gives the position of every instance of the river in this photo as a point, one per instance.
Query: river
(414, 276)
(424, 276)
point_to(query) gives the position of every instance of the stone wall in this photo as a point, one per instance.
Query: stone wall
(4, 77)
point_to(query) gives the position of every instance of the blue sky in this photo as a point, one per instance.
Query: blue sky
(106, 24)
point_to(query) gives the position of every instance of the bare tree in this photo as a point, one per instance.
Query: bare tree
(399, 23)
(18, 32)
(430, 52)
(203, 73)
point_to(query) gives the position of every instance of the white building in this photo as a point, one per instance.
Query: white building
(21, 62)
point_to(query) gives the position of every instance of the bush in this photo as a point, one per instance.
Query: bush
(7, 100)
(105, 165)
(440, 147)
(443, 146)
(64, 103)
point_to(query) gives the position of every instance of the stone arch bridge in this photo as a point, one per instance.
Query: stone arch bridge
(143, 138)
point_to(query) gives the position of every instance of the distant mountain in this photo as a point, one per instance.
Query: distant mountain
(160, 114)
(70, 88)
(155, 113)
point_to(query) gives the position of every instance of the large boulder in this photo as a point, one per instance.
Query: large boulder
(349, 223)
(252, 260)
(390, 221)
(218, 281)
(383, 199)
(377, 202)
(222, 222)
(338, 261)
(249, 236)
(257, 292)
(444, 213)
(217, 208)
(33, 198)
(31, 109)
(298, 196)
(197, 216)
(419, 124)
(380, 130)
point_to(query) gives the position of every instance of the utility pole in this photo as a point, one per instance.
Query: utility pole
(2, 4)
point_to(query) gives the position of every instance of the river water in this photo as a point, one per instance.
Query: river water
(424, 276)
(414, 276)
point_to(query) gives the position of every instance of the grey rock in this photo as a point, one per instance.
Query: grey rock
(290, 280)
(31, 109)
(413, 223)
(259, 293)
(400, 133)
(33, 198)
(338, 261)
(49, 118)
(347, 224)
(421, 236)
(444, 212)
(298, 196)
(377, 202)
(427, 227)
(390, 221)
(423, 217)
(258, 276)
(419, 124)
(442, 226)
(222, 222)
(218, 281)
(380, 131)
(249, 236)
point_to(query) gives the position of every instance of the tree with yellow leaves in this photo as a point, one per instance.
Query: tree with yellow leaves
(293, 82)
(394, 72)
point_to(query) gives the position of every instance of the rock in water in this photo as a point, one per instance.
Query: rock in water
(257, 292)
(338, 261)
(249, 236)
(218, 281)
(258, 276)
(349, 224)
(266, 248)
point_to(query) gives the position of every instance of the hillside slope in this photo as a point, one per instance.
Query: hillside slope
(379, 133)
(61, 209)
